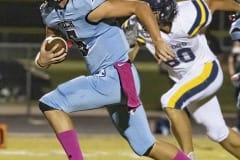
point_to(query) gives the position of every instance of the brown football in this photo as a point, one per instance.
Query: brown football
(52, 41)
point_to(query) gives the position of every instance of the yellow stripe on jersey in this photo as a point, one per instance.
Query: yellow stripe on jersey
(190, 85)
(140, 40)
(201, 19)
(125, 24)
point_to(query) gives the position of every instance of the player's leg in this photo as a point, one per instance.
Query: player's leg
(157, 155)
(232, 143)
(183, 130)
(238, 110)
(64, 130)
(135, 129)
(192, 87)
(78, 94)
(55, 106)
(210, 116)
(238, 120)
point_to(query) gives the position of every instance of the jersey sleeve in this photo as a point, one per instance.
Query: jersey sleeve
(49, 16)
(193, 16)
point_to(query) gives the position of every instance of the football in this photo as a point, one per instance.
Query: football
(53, 40)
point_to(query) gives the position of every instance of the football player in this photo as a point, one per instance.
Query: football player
(234, 64)
(113, 81)
(195, 70)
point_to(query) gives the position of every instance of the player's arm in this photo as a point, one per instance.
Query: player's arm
(117, 8)
(232, 72)
(231, 69)
(223, 5)
(45, 57)
(50, 32)
(140, 42)
(133, 52)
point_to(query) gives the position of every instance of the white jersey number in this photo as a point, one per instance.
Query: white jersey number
(183, 55)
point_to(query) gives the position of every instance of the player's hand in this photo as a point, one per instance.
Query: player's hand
(48, 57)
(163, 51)
(235, 77)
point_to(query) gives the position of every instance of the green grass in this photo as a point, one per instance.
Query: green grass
(153, 84)
(111, 147)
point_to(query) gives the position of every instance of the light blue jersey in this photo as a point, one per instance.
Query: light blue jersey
(106, 44)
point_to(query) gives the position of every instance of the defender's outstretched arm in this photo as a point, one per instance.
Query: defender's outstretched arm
(223, 5)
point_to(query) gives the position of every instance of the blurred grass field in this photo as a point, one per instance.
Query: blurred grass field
(104, 147)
